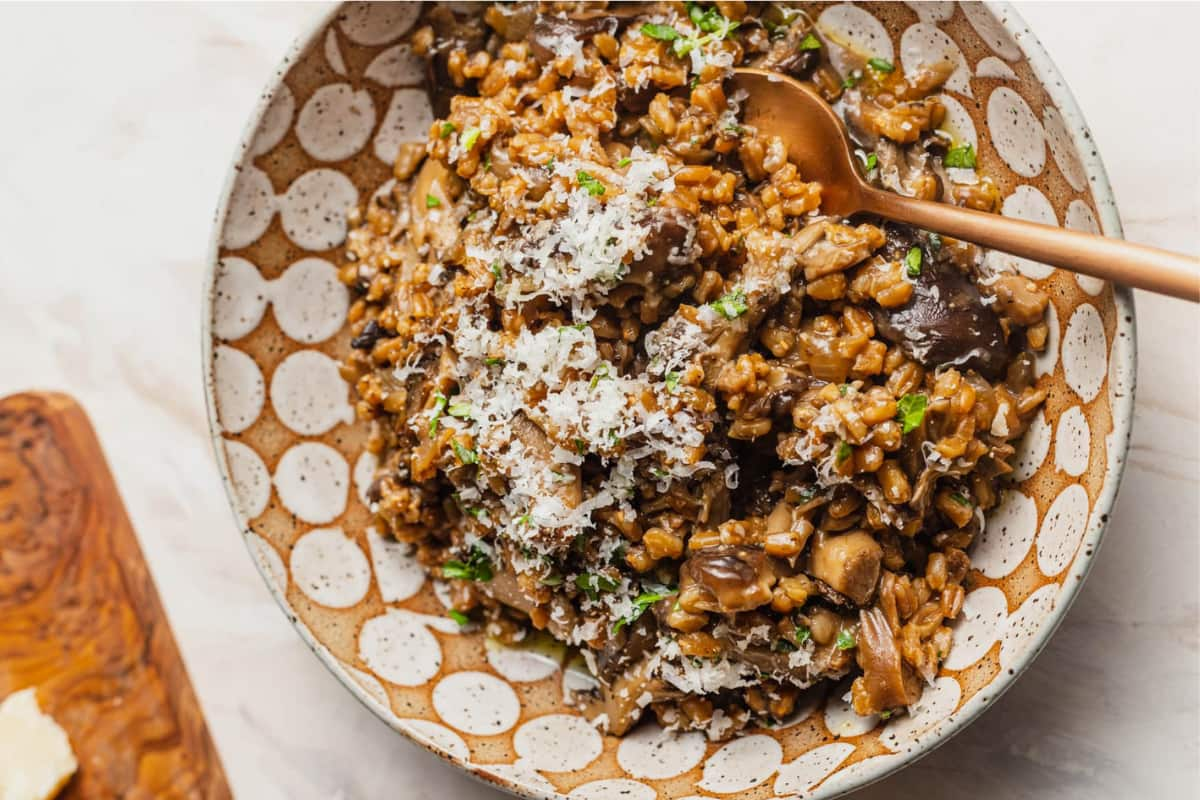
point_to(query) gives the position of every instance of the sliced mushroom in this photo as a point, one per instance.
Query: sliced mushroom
(907, 170)
(452, 31)
(822, 661)
(437, 224)
(945, 323)
(848, 562)
(887, 682)
(715, 500)
(549, 34)
(779, 400)
(628, 646)
(539, 452)
(772, 264)
(619, 706)
(785, 54)
(737, 578)
(669, 232)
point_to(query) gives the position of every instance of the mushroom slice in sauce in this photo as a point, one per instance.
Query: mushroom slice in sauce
(848, 562)
(737, 578)
(887, 681)
(946, 323)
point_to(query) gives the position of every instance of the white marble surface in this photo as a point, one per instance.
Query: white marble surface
(115, 126)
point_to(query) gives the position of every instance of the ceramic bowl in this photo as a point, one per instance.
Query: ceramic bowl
(290, 451)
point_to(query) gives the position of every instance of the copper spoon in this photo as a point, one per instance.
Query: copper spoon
(817, 141)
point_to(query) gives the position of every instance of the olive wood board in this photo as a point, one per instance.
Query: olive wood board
(80, 618)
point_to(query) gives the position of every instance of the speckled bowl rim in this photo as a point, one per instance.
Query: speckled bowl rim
(1121, 410)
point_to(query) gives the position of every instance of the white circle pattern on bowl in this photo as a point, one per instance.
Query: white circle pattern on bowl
(325, 138)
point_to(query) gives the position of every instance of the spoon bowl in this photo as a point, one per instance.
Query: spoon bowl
(815, 136)
(817, 141)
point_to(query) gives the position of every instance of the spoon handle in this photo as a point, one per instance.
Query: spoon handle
(1109, 259)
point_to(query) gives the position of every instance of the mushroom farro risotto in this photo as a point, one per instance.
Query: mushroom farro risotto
(629, 386)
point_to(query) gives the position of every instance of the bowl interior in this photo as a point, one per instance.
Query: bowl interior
(293, 461)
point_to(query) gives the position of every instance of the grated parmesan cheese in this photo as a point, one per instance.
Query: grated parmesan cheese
(584, 252)
(719, 725)
(584, 403)
(565, 45)
(703, 675)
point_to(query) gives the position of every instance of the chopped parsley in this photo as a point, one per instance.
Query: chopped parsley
(881, 65)
(672, 381)
(431, 201)
(735, 129)
(640, 604)
(787, 17)
(844, 451)
(681, 47)
(885, 714)
(851, 80)
(730, 305)
(810, 42)
(803, 634)
(935, 241)
(592, 583)
(465, 454)
(475, 512)
(709, 20)
(961, 156)
(462, 619)
(846, 640)
(961, 499)
(603, 371)
(447, 129)
(497, 272)
(553, 579)
(664, 33)
(592, 186)
(460, 410)
(439, 405)
(523, 519)
(714, 25)
(477, 567)
(625, 162)
(843, 388)
(912, 262)
(578, 326)
(871, 162)
(910, 411)
(493, 361)
(469, 138)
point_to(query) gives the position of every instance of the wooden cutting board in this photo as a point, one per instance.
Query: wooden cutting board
(80, 618)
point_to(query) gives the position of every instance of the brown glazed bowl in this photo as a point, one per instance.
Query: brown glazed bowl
(290, 451)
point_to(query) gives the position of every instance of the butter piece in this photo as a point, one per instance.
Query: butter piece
(36, 760)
